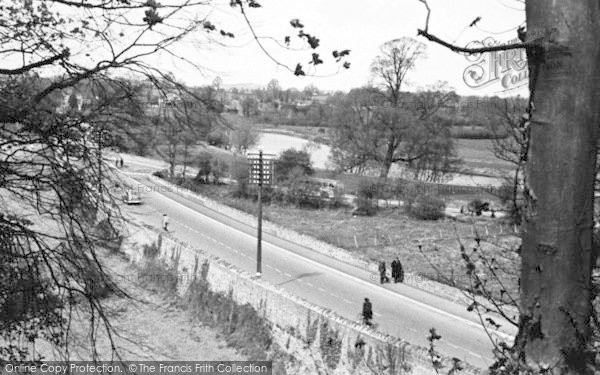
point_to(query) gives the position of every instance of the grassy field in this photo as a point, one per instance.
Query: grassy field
(478, 156)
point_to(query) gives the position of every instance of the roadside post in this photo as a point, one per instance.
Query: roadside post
(261, 173)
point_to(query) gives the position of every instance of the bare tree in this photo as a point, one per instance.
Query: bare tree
(389, 68)
(368, 131)
(56, 196)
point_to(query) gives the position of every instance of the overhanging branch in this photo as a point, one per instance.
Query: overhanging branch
(36, 64)
(452, 47)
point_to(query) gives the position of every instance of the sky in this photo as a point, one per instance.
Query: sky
(362, 27)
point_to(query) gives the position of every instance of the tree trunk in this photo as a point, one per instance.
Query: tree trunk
(172, 162)
(185, 159)
(388, 159)
(556, 252)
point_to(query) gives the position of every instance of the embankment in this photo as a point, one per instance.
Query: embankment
(318, 340)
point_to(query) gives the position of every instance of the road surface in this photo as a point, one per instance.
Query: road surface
(399, 310)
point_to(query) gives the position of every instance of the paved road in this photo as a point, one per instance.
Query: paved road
(400, 310)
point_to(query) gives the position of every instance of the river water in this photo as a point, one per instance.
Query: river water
(272, 143)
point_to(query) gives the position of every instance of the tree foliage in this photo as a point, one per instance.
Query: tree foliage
(293, 162)
(55, 187)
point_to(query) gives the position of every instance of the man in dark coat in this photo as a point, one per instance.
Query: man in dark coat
(395, 270)
(399, 271)
(382, 276)
(367, 312)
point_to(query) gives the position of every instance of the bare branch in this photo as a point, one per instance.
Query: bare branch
(36, 64)
(455, 48)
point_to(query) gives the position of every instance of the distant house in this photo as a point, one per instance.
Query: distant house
(320, 99)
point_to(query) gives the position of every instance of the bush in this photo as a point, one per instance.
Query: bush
(476, 132)
(408, 192)
(164, 174)
(98, 284)
(427, 207)
(364, 207)
(217, 138)
(240, 173)
(367, 194)
(293, 160)
(513, 205)
(108, 236)
(367, 189)
(477, 206)
(219, 169)
(203, 162)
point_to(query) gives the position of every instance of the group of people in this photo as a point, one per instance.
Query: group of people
(119, 162)
(397, 272)
(397, 276)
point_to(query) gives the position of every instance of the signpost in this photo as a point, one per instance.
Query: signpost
(261, 173)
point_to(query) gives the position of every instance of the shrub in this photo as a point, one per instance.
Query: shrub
(367, 189)
(364, 207)
(408, 192)
(217, 138)
(150, 251)
(98, 284)
(513, 205)
(367, 195)
(219, 169)
(293, 160)
(477, 206)
(157, 273)
(240, 173)
(107, 235)
(427, 207)
(161, 174)
(203, 162)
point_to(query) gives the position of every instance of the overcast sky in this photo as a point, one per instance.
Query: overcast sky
(361, 26)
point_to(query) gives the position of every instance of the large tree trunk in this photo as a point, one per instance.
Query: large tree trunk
(557, 242)
(386, 165)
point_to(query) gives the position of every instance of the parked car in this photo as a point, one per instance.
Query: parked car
(132, 197)
(324, 187)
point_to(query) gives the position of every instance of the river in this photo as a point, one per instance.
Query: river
(273, 143)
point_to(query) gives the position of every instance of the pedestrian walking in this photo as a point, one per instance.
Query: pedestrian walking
(367, 312)
(120, 162)
(165, 222)
(395, 270)
(399, 271)
(382, 276)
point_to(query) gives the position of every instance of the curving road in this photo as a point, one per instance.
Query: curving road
(400, 310)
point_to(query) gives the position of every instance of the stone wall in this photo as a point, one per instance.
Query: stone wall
(327, 342)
